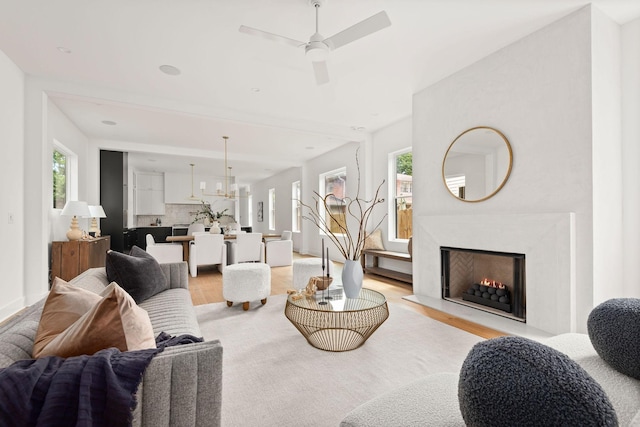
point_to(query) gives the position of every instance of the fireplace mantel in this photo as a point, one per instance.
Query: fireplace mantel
(547, 240)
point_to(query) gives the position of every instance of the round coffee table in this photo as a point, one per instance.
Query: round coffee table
(338, 324)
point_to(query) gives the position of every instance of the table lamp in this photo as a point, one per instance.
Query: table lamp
(96, 212)
(75, 209)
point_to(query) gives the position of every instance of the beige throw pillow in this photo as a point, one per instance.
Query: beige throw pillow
(374, 240)
(64, 305)
(115, 321)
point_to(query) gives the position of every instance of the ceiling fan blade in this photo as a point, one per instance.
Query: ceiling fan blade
(363, 28)
(321, 71)
(270, 36)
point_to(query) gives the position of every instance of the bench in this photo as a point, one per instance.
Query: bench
(392, 274)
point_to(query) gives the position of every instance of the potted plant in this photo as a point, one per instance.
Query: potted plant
(207, 214)
(349, 238)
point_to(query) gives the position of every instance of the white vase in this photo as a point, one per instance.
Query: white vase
(352, 278)
(215, 227)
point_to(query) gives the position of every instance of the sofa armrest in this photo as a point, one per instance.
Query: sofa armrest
(177, 274)
(182, 386)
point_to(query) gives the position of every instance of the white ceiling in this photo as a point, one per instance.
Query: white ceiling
(262, 94)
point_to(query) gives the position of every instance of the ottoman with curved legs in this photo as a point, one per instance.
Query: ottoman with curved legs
(246, 282)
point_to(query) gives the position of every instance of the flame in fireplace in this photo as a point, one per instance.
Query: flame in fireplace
(492, 283)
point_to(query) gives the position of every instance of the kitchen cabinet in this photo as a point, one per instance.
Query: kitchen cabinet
(69, 259)
(149, 193)
(178, 189)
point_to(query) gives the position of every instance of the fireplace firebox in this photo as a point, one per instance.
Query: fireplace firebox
(486, 280)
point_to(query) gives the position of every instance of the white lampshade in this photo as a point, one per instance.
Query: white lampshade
(76, 208)
(203, 185)
(97, 211)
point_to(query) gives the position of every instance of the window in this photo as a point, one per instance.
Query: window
(296, 207)
(402, 191)
(59, 179)
(456, 184)
(65, 173)
(272, 209)
(334, 185)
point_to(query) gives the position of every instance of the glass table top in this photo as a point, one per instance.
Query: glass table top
(335, 300)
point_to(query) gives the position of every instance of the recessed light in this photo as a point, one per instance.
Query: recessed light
(109, 122)
(255, 89)
(310, 148)
(358, 128)
(63, 49)
(152, 160)
(170, 70)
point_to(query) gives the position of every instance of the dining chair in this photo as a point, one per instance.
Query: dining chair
(163, 252)
(280, 252)
(195, 228)
(247, 247)
(207, 249)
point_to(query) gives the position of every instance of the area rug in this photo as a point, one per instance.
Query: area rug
(273, 377)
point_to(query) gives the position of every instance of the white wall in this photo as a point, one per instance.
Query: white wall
(607, 158)
(537, 91)
(61, 129)
(631, 157)
(260, 193)
(12, 202)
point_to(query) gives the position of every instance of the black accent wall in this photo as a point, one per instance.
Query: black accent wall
(112, 196)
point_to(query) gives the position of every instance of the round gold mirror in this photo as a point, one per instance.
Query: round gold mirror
(477, 164)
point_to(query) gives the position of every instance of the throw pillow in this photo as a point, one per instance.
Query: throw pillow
(137, 273)
(64, 305)
(374, 240)
(611, 326)
(115, 321)
(511, 381)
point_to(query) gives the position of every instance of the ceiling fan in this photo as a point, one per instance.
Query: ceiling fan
(317, 48)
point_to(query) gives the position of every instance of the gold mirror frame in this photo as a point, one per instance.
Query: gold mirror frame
(458, 139)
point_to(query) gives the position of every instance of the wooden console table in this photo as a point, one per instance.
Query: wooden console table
(392, 274)
(69, 259)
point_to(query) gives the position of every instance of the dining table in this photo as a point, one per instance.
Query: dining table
(227, 237)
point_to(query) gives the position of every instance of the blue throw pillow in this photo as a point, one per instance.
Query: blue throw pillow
(137, 273)
(514, 381)
(613, 328)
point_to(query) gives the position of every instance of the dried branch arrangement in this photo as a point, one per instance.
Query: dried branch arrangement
(349, 242)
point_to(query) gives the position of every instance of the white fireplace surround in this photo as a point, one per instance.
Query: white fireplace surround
(547, 240)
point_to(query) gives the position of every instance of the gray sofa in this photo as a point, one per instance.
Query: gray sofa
(433, 400)
(182, 386)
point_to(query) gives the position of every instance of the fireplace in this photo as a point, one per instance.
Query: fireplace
(486, 280)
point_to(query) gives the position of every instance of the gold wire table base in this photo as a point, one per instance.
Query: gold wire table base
(340, 325)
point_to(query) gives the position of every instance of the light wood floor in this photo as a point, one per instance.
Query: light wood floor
(207, 288)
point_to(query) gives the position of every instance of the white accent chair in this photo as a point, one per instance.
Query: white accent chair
(163, 252)
(207, 249)
(245, 283)
(280, 252)
(195, 228)
(247, 247)
(233, 228)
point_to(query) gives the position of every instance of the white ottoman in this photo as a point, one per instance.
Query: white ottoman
(246, 282)
(306, 268)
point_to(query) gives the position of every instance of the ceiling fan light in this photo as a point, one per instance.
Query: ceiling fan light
(317, 51)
